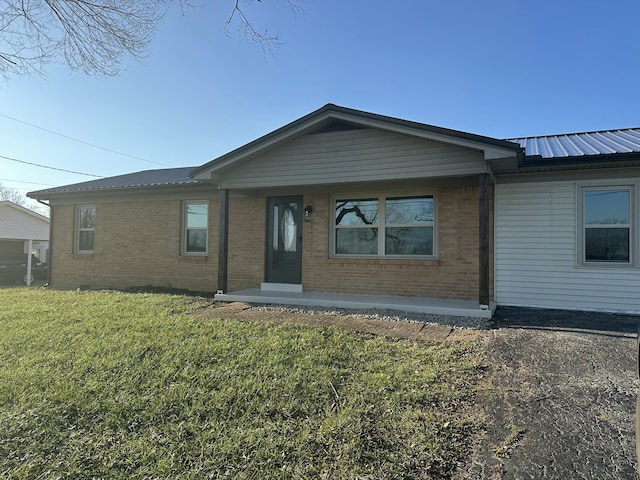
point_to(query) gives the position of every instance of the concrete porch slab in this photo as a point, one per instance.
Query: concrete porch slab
(434, 306)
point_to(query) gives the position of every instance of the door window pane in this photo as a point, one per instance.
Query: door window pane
(289, 229)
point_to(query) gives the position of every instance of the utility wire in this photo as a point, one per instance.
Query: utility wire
(50, 168)
(81, 141)
(30, 183)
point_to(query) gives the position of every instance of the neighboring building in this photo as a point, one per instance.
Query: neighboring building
(23, 230)
(347, 208)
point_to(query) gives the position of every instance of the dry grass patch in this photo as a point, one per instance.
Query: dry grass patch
(121, 385)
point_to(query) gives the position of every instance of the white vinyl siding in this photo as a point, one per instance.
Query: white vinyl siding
(353, 156)
(17, 224)
(537, 238)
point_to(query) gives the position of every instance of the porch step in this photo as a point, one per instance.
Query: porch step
(281, 287)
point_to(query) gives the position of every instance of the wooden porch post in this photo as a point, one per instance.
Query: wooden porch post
(484, 240)
(223, 242)
(29, 248)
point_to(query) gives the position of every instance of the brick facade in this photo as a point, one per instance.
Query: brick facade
(453, 275)
(137, 243)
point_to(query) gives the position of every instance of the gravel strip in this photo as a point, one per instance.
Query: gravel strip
(384, 315)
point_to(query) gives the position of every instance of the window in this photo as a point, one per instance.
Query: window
(85, 228)
(607, 225)
(407, 224)
(196, 219)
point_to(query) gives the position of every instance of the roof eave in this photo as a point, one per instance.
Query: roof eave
(493, 148)
(49, 194)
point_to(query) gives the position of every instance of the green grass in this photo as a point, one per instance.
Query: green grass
(121, 385)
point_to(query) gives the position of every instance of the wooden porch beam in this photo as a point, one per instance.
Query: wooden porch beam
(484, 239)
(223, 241)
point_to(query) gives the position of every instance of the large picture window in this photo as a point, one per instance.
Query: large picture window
(384, 226)
(85, 228)
(607, 225)
(196, 220)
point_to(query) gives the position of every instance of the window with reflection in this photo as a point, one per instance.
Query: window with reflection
(196, 220)
(607, 225)
(384, 226)
(409, 226)
(85, 228)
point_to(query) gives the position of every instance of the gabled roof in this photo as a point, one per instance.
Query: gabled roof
(604, 142)
(145, 179)
(613, 147)
(27, 211)
(334, 116)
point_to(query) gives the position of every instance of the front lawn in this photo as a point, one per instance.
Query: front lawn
(132, 386)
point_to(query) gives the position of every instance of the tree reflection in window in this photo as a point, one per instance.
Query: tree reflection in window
(86, 228)
(408, 225)
(356, 227)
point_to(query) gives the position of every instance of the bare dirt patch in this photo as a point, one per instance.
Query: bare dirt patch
(350, 322)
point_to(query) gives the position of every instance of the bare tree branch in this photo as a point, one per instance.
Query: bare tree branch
(95, 36)
(12, 195)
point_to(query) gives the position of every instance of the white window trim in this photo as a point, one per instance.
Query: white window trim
(77, 230)
(381, 225)
(634, 238)
(183, 227)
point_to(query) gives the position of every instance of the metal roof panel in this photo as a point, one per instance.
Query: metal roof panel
(582, 144)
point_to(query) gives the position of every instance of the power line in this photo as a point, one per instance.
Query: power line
(81, 141)
(30, 183)
(50, 168)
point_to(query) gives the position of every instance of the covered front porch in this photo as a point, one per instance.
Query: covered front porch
(433, 306)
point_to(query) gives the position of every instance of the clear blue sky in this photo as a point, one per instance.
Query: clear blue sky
(501, 68)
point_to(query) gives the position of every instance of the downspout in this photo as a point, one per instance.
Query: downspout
(50, 256)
